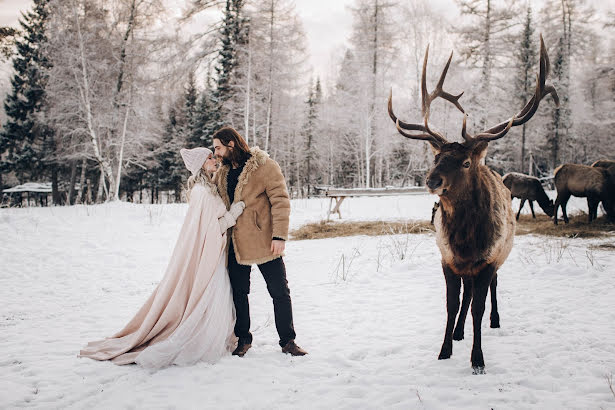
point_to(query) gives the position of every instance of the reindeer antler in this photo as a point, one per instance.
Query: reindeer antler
(542, 90)
(427, 134)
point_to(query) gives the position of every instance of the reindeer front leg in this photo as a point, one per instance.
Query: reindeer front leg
(458, 334)
(453, 287)
(481, 286)
(521, 207)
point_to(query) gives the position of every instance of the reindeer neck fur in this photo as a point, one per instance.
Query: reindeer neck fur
(470, 222)
(541, 196)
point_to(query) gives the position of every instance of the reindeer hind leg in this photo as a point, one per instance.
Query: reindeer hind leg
(592, 204)
(532, 208)
(495, 316)
(564, 204)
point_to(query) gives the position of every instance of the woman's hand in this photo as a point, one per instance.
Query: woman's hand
(277, 246)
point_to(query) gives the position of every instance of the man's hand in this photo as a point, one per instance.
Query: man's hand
(277, 247)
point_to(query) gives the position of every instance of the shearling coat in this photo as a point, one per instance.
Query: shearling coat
(261, 186)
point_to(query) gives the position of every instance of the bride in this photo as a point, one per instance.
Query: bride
(190, 316)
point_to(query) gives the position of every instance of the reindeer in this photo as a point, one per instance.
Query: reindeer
(604, 163)
(528, 188)
(475, 223)
(609, 166)
(596, 183)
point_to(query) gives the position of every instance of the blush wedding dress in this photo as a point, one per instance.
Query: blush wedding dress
(190, 316)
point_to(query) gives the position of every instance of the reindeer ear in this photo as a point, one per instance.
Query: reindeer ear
(434, 148)
(479, 151)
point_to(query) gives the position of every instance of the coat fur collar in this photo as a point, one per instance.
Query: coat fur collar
(258, 158)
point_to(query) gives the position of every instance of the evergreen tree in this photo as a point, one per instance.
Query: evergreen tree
(191, 130)
(233, 36)
(7, 39)
(560, 116)
(22, 138)
(568, 27)
(207, 120)
(526, 61)
(485, 40)
(313, 103)
(169, 172)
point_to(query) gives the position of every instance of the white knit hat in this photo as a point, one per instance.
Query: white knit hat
(195, 158)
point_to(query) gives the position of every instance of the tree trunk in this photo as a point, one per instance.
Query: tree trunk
(102, 187)
(55, 192)
(555, 145)
(71, 187)
(523, 148)
(253, 122)
(369, 138)
(88, 193)
(84, 90)
(121, 159)
(486, 71)
(270, 93)
(246, 114)
(80, 191)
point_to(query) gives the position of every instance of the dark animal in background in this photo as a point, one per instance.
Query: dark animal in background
(604, 163)
(528, 188)
(475, 223)
(594, 183)
(610, 170)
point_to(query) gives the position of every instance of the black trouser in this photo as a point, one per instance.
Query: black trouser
(274, 273)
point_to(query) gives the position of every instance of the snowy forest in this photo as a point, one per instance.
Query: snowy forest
(104, 93)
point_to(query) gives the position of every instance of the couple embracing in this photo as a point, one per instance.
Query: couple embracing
(237, 216)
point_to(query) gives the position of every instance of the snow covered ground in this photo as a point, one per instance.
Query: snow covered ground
(373, 325)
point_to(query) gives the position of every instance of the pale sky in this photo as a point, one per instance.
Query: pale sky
(327, 23)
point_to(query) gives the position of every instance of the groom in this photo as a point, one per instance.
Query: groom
(249, 175)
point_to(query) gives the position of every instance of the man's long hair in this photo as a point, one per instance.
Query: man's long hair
(240, 153)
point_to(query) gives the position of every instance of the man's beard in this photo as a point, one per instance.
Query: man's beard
(226, 159)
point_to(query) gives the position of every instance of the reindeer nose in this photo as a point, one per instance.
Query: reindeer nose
(434, 182)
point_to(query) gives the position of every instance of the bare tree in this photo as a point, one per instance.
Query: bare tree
(101, 87)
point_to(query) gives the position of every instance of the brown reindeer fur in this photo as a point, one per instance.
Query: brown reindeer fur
(475, 223)
(526, 187)
(594, 183)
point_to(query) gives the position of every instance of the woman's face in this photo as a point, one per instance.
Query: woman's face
(210, 164)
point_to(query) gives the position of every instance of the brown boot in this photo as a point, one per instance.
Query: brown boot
(292, 348)
(241, 349)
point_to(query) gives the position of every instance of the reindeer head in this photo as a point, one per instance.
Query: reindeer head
(453, 165)
(549, 208)
(456, 163)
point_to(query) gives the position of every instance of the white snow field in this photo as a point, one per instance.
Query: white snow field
(373, 325)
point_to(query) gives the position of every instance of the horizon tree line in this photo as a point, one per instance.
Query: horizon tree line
(102, 97)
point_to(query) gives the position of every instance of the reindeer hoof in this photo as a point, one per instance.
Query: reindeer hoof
(495, 322)
(478, 370)
(458, 335)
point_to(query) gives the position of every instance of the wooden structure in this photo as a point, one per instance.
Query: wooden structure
(40, 192)
(338, 195)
